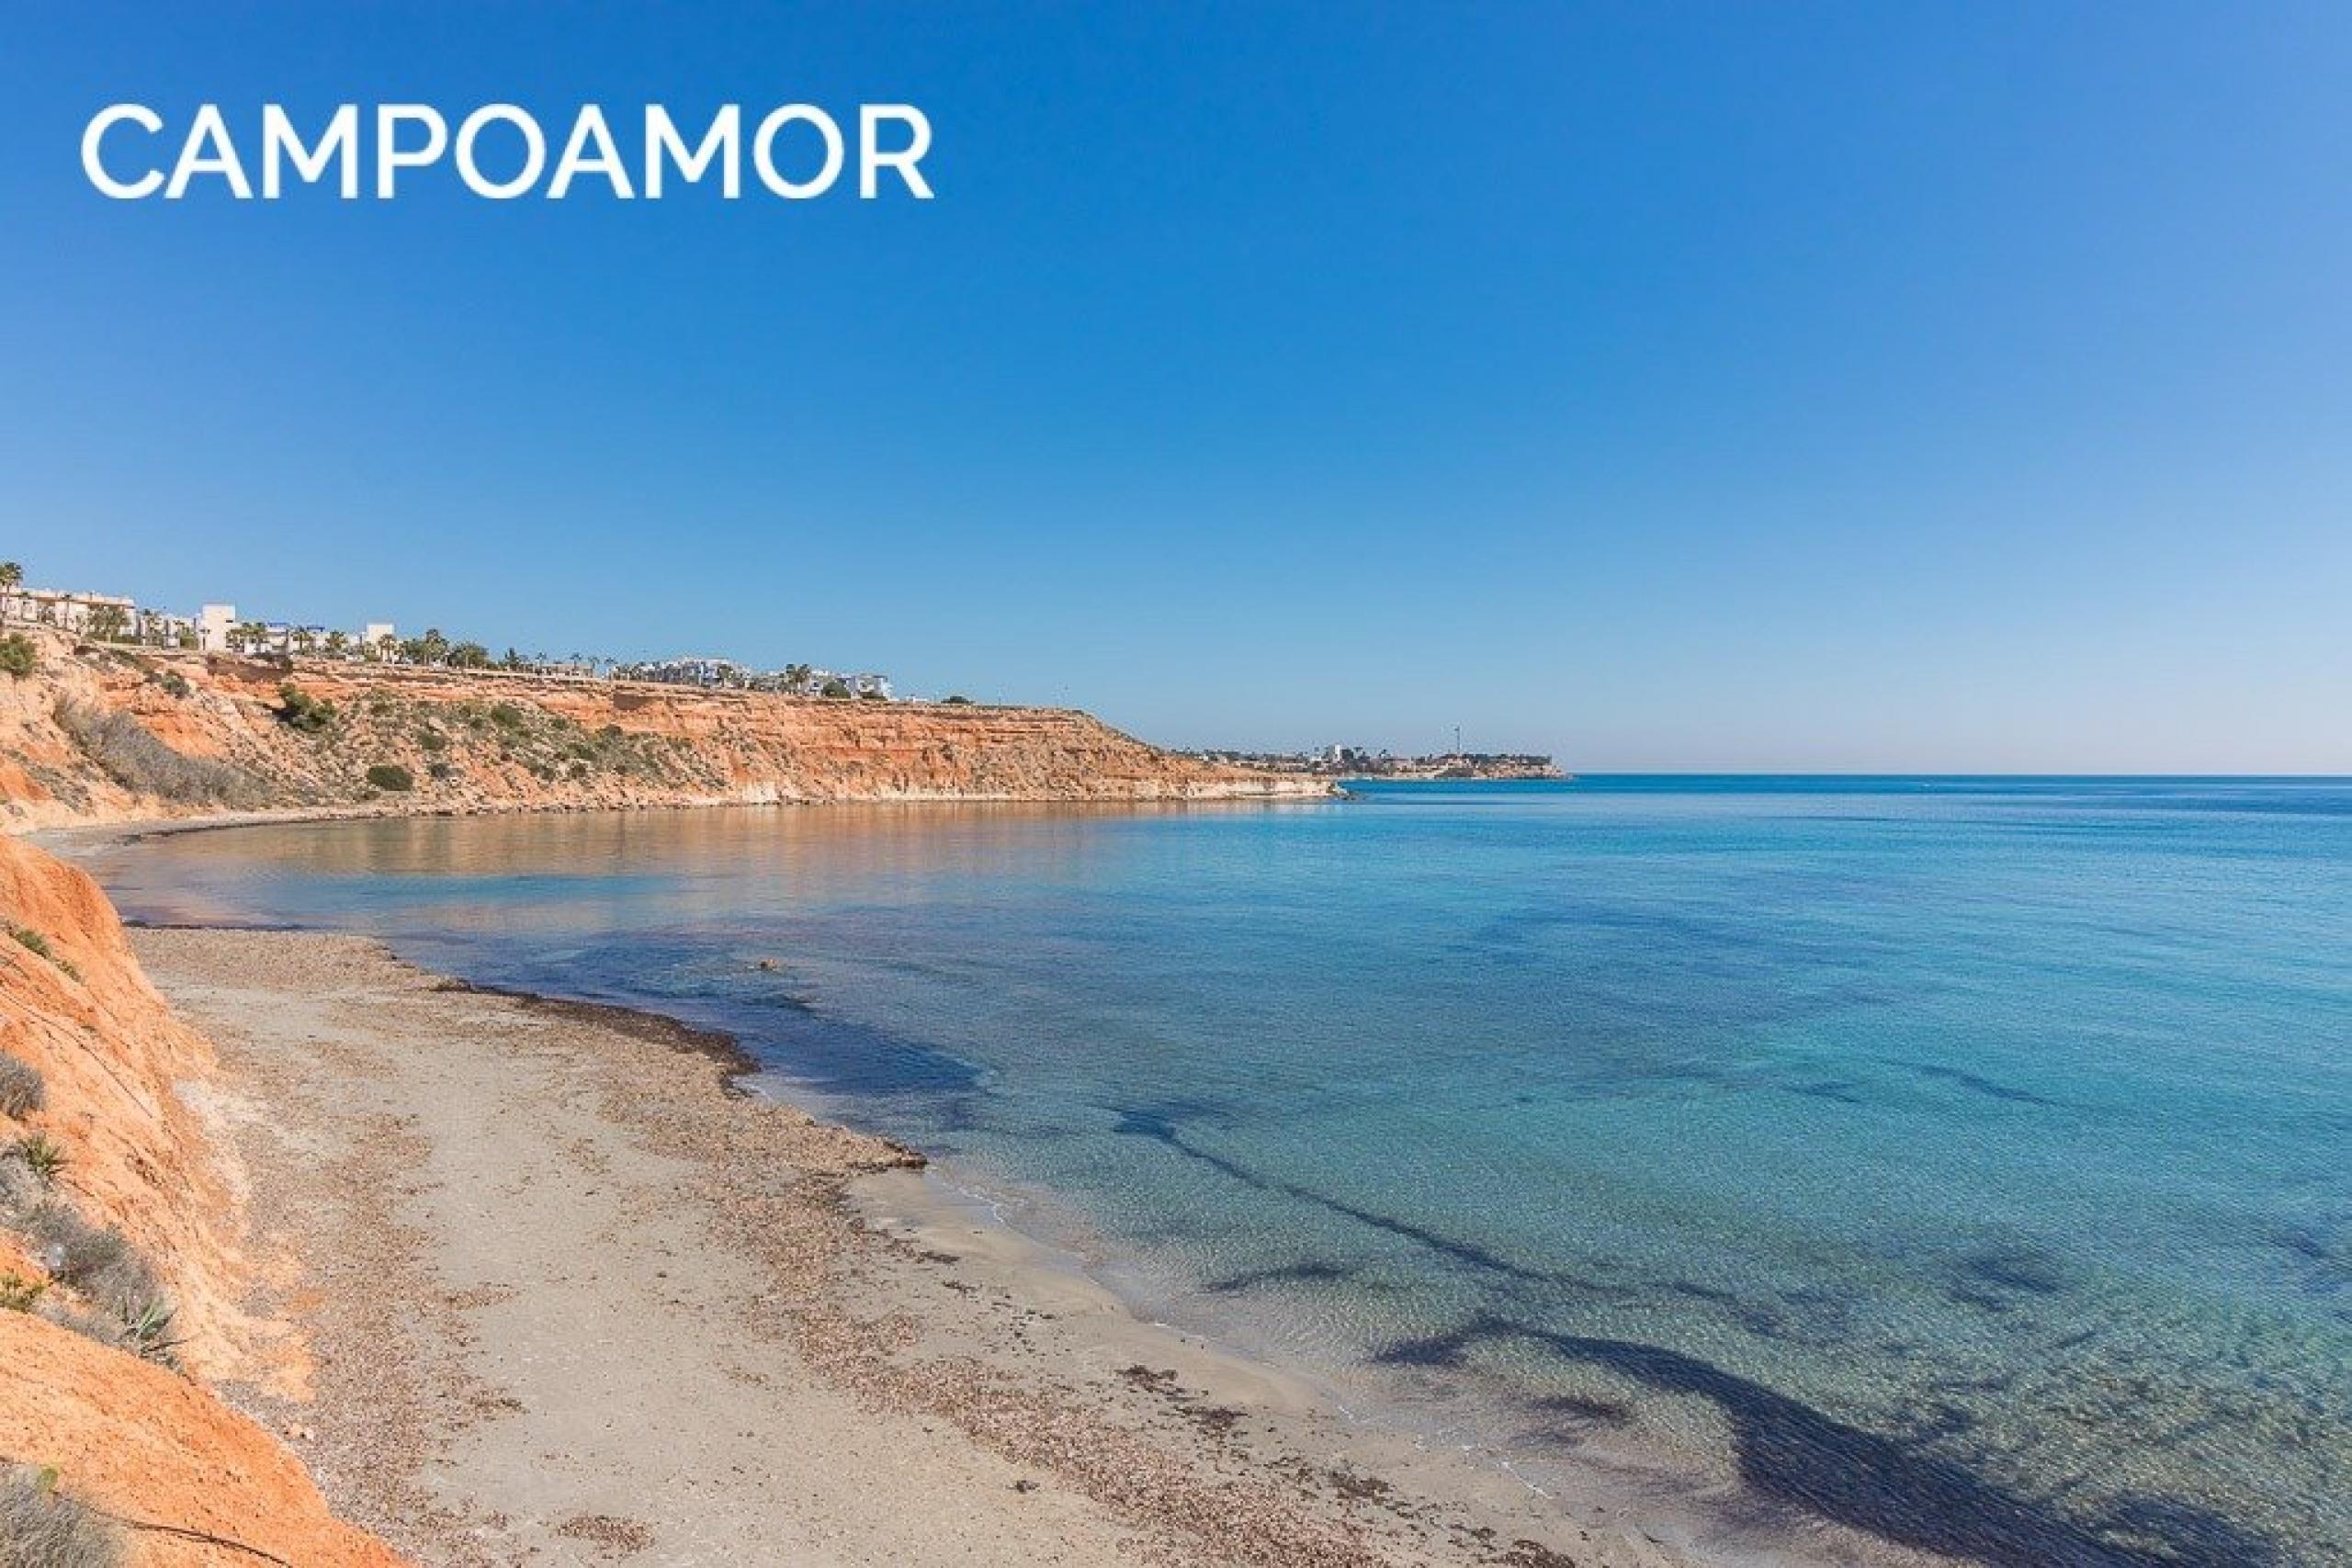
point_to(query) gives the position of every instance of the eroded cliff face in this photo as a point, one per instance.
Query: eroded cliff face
(99, 735)
(103, 1075)
(111, 1056)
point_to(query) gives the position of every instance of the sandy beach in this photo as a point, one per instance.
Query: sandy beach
(570, 1296)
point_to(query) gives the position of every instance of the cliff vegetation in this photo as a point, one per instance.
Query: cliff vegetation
(91, 733)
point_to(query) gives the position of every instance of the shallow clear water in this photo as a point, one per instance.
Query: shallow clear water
(1967, 1160)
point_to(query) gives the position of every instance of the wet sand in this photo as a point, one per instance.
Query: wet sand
(570, 1296)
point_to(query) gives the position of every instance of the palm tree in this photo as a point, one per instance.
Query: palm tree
(338, 644)
(12, 577)
(109, 623)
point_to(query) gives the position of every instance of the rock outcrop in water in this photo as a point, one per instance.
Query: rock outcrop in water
(100, 734)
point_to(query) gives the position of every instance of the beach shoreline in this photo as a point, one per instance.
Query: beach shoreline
(78, 838)
(946, 1323)
(821, 1294)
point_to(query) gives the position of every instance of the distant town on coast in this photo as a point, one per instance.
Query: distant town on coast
(218, 628)
(1356, 762)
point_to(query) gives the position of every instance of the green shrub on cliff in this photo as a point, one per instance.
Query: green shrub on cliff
(32, 940)
(18, 655)
(391, 776)
(297, 710)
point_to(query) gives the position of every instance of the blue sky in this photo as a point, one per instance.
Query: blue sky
(1792, 387)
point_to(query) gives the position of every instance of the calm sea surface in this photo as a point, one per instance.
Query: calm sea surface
(1965, 1159)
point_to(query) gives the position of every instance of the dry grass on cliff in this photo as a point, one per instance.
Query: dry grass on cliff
(95, 1260)
(126, 752)
(38, 1528)
(21, 1089)
(115, 1297)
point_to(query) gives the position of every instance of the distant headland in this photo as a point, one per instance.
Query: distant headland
(1355, 763)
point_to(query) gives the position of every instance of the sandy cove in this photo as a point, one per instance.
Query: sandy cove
(570, 1296)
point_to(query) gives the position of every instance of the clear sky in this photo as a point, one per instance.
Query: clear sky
(1867, 386)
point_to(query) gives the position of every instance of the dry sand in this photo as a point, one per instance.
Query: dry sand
(572, 1298)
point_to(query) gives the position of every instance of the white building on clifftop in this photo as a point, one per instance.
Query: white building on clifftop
(68, 612)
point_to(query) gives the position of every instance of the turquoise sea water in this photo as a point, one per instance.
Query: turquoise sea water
(1965, 1160)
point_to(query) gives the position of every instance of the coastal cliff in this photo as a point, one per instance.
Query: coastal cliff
(122, 1272)
(98, 734)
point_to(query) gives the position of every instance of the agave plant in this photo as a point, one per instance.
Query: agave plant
(147, 1330)
(42, 1155)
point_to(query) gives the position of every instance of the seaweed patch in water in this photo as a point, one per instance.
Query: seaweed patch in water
(1997, 1278)
(1160, 1127)
(1896, 1488)
(1301, 1273)
(1976, 1083)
